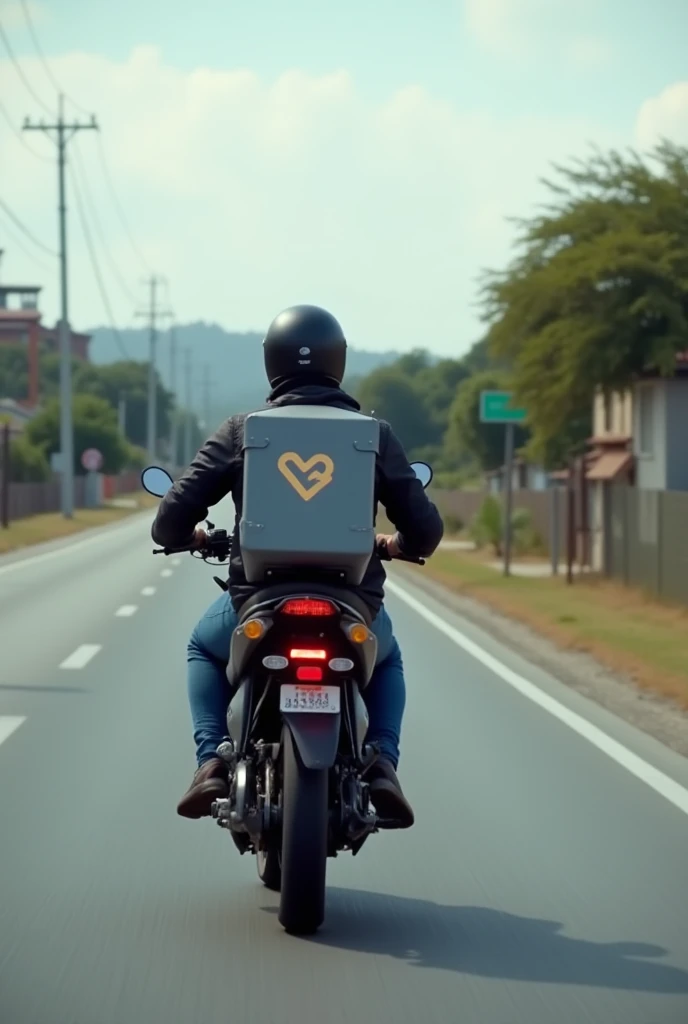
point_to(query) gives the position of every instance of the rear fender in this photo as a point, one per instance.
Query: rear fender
(316, 737)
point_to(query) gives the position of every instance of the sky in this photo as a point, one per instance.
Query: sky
(361, 156)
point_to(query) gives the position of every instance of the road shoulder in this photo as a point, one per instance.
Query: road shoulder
(645, 711)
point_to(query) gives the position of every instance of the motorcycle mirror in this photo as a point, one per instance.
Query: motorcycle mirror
(156, 481)
(423, 472)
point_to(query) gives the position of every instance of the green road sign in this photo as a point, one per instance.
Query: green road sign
(495, 407)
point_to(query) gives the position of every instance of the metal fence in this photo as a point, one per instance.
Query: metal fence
(646, 540)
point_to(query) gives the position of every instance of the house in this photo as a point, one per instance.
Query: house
(15, 414)
(526, 477)
(639, 440)
(20, 324)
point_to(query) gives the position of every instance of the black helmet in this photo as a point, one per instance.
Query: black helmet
(304, 342)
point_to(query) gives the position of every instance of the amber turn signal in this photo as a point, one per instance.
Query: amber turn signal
(253, 629)
(358, 633)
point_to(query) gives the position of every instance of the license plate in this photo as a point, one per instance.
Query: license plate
(309, 697)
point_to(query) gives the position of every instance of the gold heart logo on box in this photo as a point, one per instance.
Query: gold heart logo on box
(320, 477)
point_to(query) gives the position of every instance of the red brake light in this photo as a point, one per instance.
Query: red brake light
(306, 606)
(299, 654)
(309, 673)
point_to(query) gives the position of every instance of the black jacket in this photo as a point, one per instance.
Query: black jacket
(217, 471)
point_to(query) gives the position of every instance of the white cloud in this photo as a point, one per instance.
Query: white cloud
(664, 116)
(252, 195)
(523, 28)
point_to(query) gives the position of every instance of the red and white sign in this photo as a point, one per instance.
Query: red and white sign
(92, 460)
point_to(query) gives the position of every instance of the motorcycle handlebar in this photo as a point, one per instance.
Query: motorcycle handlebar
(219, 541)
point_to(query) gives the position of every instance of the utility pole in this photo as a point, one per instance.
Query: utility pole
(152, 314)
(65, 131)
(188, 455)
(174, 422)
(122, 415)
(207, 386)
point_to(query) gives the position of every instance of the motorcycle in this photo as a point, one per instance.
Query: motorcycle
(300, 659)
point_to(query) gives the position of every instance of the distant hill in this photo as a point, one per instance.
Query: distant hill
(238, 379)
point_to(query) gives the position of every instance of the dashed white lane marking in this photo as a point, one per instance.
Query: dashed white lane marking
(176, 562)
(148, 591)
(166, 572)
(8, 725)
(81, 656)
(126, 611)
(662, 784)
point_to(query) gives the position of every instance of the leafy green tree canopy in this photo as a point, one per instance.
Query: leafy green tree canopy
(95, 426)
(598, 293)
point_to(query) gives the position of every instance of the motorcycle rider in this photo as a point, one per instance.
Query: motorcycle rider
(217, 470)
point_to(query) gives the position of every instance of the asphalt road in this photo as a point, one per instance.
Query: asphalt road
(544, 882)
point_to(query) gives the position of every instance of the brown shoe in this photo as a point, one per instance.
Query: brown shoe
(209, 784)
(386, 794)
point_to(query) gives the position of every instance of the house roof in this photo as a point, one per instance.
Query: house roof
(18, 315)
(609, 466)
(610, 440)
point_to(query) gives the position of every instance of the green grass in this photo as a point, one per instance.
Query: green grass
(23, 533)
(620, 626)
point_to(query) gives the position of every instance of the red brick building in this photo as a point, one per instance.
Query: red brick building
(20, 324)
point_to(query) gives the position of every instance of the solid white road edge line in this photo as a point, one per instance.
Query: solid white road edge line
(126, 611)
(8, 724)
(81, 656)
(662, 784)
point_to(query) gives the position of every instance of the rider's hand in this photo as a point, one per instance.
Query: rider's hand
(392, 543)
(200, 538)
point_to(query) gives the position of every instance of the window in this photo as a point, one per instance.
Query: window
(646, 420)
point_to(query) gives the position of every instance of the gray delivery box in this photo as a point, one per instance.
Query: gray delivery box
(309, 492)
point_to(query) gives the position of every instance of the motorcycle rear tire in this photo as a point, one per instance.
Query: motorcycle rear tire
(269, 868)
(304, 842)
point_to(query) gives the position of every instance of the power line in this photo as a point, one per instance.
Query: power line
(18, 68)
(101, 153)
(98, 228)
(23, 228)
(41, 56)
(94, 264)
(118, 207)
(17, 240)
(10, 123)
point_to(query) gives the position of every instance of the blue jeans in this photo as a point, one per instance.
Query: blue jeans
(209, 691)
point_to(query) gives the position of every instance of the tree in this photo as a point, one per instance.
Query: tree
(126, 379)
(14, 372)
(95, 426)
(393, 397)
(484, 442)
(28, 463)
(598, 293)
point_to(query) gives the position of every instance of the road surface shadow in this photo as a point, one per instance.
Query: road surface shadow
(490, 944)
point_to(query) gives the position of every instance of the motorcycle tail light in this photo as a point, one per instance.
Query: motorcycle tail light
(308, 606)
(309, 673)
(303, 654)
